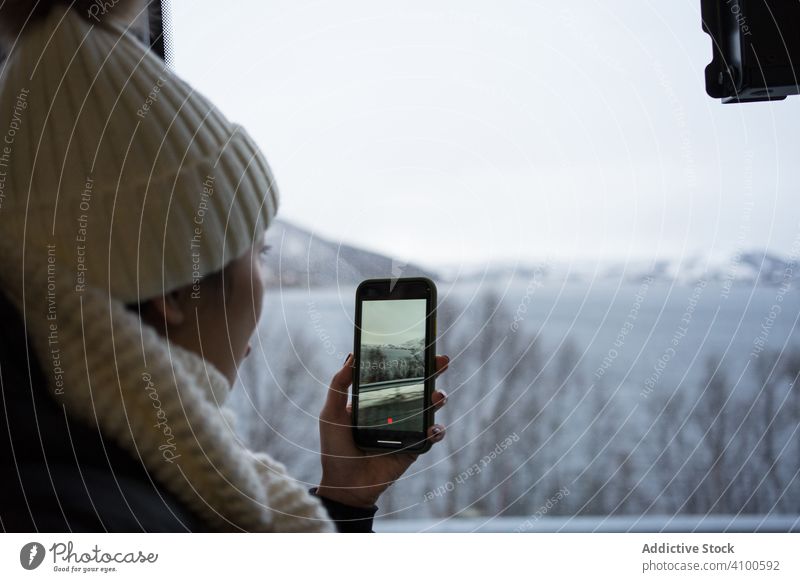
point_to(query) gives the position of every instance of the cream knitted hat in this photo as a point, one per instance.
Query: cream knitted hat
(116, 170)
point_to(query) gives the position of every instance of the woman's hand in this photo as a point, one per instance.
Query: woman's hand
(350, 475)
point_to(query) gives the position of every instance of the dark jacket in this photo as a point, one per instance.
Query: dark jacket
(60, 475)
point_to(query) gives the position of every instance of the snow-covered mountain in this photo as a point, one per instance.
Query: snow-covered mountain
(746, 268)
(301, 258)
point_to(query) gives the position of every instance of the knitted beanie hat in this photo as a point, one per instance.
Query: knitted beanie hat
(114, 169)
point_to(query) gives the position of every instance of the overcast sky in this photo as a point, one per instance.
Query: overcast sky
(458, 132)
(392, 322)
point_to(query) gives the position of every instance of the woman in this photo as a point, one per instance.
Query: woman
(132, 215)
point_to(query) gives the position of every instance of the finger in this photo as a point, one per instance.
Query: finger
(442, 362)
(439, 399)
(340, 386)
(436, 433)
(408, 458)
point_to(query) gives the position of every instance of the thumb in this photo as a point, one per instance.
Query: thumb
(340, 386)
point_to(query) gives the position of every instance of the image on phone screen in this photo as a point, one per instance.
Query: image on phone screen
(392, 374)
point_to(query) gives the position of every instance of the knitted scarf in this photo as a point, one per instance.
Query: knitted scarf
(160, 402)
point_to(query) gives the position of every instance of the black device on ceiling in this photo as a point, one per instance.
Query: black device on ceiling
(756, 49)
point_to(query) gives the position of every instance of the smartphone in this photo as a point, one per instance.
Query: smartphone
(395, 359)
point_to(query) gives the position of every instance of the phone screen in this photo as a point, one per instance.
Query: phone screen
(392, 371)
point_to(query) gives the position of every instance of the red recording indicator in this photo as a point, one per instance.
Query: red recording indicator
(390, 420)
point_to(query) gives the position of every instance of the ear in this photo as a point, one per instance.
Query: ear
(170, 308)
